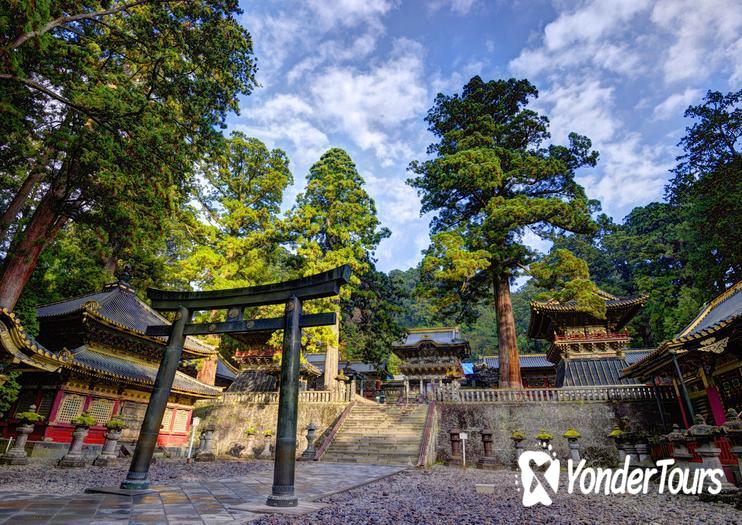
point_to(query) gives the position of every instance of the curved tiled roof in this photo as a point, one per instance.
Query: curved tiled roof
(448, 335)
(15, 341)
(118, 304)
(526, 361)
(136, 371)
(719, 313)
(634, 356)
(612, 303)
(723, 309)
(591, 372)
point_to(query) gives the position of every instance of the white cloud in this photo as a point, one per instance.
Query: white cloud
(630, 174)
(286, 119)
(676, 103)
(348, 13)
(583, 107)
(590, 34)
(706, 34)
(304, 35)
(370, 106)
(460, 7)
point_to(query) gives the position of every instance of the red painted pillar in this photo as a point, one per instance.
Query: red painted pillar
(717, 407)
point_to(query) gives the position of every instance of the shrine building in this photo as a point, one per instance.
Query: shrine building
(703, 362)
(92, 355)
(260, 365)
(586, 350)
(431, 356)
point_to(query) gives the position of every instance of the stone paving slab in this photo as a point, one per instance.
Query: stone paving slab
(205, 502)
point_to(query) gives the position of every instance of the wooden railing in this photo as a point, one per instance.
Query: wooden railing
(344, 395)
(564, 394)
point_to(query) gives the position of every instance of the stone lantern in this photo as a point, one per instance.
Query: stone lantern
(206, 447)
(74, 457)
(456, 455)
(704, 436)
(308, 454)
(617, 436)
(574, 449)
(17, 454)
(544, 439)
(107, 456)
(679, 442)
(733, 430)
(517, 436)
(487, 462)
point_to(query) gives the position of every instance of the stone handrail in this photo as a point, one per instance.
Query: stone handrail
(564, 394)
(427, 434)
(307, 396)
(333, 432)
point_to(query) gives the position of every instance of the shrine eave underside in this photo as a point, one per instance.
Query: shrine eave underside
(21, 348)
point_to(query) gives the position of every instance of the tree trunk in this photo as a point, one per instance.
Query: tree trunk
(21, 261)
(507, 339)
(20, 198)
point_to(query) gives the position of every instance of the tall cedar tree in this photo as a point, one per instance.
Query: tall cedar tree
(490, 180)
(239, 190)
(707, 188)
(109, 104)
(334, 222)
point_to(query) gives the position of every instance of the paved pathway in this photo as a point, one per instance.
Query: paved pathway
(203, 502)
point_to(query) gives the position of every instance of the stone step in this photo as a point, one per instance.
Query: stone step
(370, 451)
(392, 440)
(389, 431)
(384, 459)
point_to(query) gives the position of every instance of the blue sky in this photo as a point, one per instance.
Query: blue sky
(361, 75)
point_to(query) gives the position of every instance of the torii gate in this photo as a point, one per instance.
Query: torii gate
(293, 293)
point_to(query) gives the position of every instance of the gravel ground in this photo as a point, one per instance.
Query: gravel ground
(44, 477)
(446, 495)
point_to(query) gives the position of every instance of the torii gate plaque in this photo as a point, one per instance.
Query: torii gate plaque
(293, 293)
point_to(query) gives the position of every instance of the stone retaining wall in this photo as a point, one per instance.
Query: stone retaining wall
(594, 420)
(232, 418)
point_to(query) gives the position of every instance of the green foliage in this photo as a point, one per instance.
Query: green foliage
(543, 435)
(30, 417)
(490, 180)
(369, 319)
(9, 390)
(566, 278)
(415, 309)
(116, 423)
(707, 187)
(392, 364)
(333, 223)
(83, 420)
(239, 190)
(109, 114)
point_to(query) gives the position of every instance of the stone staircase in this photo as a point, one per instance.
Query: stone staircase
(379, 435)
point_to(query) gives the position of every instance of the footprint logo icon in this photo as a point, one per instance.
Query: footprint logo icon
(539, 476)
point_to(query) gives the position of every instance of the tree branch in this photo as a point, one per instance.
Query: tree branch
(56, 96)
(20, 39)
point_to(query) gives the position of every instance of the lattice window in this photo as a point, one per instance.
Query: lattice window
(100, 409)
(181, 420)
(166, 420)
(70, 408)
(45, 405)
